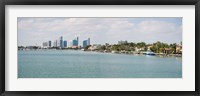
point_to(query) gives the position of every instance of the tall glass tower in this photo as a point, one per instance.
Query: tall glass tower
(74, 42)
(85, 43)
(65, 44)
(77, 42)
(61, 42)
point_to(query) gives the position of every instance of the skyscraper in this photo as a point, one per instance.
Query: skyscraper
(65, 44)
(71, 43)
(85, 43)
(77, 41)
(55, 43)
(61, 42)
(49, 43)
(74, 42)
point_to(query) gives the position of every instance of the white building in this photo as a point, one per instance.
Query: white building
(70, 43)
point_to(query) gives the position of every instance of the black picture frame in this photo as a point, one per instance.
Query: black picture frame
(99, 2)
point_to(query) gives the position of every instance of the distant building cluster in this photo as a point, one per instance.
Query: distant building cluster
(47, 44)
(122, 42)
(60, 43)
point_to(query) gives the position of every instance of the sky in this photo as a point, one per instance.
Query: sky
(35, 31)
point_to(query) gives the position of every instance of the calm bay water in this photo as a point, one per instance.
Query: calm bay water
(81, 64)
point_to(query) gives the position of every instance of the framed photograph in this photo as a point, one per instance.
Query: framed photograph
(99, 47)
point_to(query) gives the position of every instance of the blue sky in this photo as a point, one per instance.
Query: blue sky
(35, 31)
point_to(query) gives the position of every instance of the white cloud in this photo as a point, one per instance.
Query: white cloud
(100, 30)
(162, 31)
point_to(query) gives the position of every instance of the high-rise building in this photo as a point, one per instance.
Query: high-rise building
(61, 42)
(49, 43)
(58, 43)
(85, 43)
(71, 43)
(74, 42)
(77, 41)
(88, 41)
(55, 43)
(65, 44)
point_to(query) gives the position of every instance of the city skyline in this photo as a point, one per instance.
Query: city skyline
(35, 31)
(62, 43)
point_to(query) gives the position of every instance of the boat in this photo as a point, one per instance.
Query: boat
(149, 53)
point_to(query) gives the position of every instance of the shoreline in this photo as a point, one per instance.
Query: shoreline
(141, 53)
(116, 52)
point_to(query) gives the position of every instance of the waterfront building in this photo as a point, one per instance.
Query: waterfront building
(55, 43)
(85, 43)
(97, 46)
(179, 49)
(61, 42)
(77, 41)
(49, 43)
(74, 42)
(149, 47)
(167, 50)
(137, 49)
(94, 47)
(88, 41)
(70, 43)
(58, 43)
(65, 44)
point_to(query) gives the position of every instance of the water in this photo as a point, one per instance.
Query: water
(81, 64)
